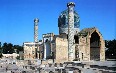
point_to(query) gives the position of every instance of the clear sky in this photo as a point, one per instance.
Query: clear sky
(16, 17)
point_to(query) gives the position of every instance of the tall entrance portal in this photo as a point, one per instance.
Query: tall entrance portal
(95, 46)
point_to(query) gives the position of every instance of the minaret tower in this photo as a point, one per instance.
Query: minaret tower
(71, 6)
(36, 20)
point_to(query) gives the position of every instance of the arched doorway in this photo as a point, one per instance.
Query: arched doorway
(95, 46)
(76, 38)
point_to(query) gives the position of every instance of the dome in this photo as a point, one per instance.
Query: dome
(63, 21)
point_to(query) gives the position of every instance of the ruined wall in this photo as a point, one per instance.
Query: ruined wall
(102, 50)
(61, 50)
(29, 50)
(84, 52)
(84, 46)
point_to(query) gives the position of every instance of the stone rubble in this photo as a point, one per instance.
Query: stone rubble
(8, 66)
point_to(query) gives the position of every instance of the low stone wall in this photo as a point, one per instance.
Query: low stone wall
(14, 55)
(47, 61)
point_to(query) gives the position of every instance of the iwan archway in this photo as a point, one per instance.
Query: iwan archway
(95, 46)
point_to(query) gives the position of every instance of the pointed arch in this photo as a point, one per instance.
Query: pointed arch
(95, 46)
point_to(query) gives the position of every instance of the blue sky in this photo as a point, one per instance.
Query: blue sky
(16, 17)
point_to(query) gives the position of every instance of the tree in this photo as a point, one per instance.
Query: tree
(0, 48)
(111, 48)
(0, 44)
(7, 48)
(4, 47)
(18, 48)
(10, 48)
(1, 55)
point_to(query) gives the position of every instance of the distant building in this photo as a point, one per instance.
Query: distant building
(47, 44)
(30, 50)
(87, 44)
(13, 55)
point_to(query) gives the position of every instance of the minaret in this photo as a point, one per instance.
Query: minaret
(36, 20)
(71, 6)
